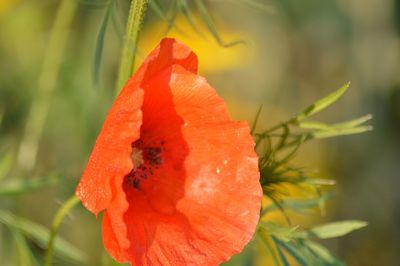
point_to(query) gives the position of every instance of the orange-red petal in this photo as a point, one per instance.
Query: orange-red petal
(203, 205)
(110, 157)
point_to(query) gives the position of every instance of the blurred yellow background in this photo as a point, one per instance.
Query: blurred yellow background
(293, 54)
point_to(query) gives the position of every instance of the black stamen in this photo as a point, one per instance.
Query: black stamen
(144, 159)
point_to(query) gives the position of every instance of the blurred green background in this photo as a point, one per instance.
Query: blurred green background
(294, 53)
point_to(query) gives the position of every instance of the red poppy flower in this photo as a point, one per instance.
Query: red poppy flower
(178, 179)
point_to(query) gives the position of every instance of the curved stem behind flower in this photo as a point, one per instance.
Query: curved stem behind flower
(137, 12)
(64, 210)
(46, 84)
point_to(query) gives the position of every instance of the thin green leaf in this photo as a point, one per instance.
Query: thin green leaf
(344, 125)
(302, 205)
(40, 235)
(314, 125)
(17, 186)
(270, 245)
(340, 132)
(295, 252)
(281, 255)
(282, 233)
(206, 17)
(100, 42)
(320, 182)
(185, 9)
(25, 255)
(354, 122)
(283, 138)
(323, 253)
(276, 203)
(254, 125)
(5, 165)
(307, 252)
(156, 7)
(332, 230)
(300, 140)
(174, 10)
(116, 20)
(322, 103)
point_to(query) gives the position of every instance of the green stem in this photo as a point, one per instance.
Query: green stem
(291, 121)
(46, 84)
(253, 127)
(137, 12)
(64, 210)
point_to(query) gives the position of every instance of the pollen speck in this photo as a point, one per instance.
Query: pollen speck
(137, 157)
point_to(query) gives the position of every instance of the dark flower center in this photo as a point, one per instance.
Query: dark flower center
(145, 158)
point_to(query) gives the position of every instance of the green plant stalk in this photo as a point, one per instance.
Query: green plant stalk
(46, 84)
(64, 210)
(137, 12)
(254, 125)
